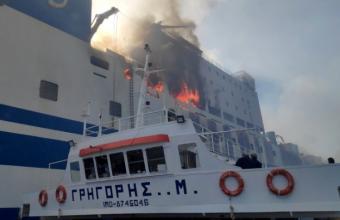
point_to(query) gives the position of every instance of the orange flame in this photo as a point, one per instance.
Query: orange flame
(127, 74)
(188, 96)
(158, 87)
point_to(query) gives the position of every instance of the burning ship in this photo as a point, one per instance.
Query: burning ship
(52, 79)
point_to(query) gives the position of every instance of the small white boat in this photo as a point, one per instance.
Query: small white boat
(157, 165)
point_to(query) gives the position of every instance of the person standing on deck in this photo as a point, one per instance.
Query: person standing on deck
(244, 162)
(255, 163)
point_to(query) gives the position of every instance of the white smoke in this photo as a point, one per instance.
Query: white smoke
(127, 30)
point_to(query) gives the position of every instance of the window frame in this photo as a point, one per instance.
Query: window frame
(128, 174)
(45, 90)
(164, 158)
(197, 161)
(80, 172)
(145, 164)
(125, 164)
(95, 169)
(108, 166)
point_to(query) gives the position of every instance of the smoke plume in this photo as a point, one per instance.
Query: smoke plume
(127, 30)
(172, 38)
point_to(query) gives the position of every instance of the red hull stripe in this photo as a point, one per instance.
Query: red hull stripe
(124, 143)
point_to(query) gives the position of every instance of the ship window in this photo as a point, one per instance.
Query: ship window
(240, 122)
(102, 166)
(115, 109)
(90, 172)
(228, 116)
(188, 155)
(117, 164)
(75, 171)
(156, 159)
(96, 61)
(136, 161)
(48, 90)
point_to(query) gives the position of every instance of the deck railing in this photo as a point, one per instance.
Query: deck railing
(131, 122)
(224, 143)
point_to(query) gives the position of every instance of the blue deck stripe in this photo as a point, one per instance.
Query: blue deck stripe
(31, 151)
(28, 117)
(19, 115)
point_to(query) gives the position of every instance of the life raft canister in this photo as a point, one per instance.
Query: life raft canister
(239, 180)
(43, 198)
(290, 179)
(60, 194)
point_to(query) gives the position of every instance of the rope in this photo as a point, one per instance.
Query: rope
(231, 208)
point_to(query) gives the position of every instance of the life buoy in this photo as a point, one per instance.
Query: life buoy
(43, 198)
(60, 194)
(239, 180)
(280, 192)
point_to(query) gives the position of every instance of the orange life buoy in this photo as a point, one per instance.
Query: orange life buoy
(280, 192)
(43, 198)
(60, 194)
(239, 180)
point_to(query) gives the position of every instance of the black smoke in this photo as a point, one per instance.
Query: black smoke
(180, 59)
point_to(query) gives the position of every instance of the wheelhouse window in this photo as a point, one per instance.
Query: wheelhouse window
(136, 161)
(75, 171)
(102, 166)
(90, 172)
(156, 159)
(117, 164)
(188, 156)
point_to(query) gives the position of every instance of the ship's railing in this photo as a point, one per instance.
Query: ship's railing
(214, 141)
(221, 142)
(131, 122)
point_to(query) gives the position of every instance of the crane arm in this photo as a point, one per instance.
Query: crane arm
(99, 18)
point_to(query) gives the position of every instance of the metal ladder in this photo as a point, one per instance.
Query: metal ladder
(131, 101)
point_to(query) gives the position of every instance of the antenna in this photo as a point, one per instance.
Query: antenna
(86, 113)
(144, 84)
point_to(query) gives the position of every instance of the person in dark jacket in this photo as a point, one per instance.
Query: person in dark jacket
(244, 162)
(255, 163)
(331, 160)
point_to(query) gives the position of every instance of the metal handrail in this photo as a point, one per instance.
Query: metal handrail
(229, 131)
(217, 142)
(130, 122)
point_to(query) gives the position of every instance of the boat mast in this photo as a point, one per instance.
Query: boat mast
(142, 93)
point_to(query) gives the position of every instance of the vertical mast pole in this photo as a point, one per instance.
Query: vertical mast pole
(142, 93)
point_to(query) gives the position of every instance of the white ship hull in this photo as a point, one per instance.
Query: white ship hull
(199, 194)
(180, 191)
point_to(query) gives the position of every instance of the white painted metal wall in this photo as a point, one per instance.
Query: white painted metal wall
(31, 51)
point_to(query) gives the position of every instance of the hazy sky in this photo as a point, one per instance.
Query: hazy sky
(290, 47)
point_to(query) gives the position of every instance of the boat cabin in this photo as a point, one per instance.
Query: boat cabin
(142, 152)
